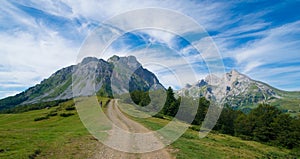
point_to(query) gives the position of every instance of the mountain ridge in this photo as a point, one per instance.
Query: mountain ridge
(89, 77)
(240, 91)
(120, 75)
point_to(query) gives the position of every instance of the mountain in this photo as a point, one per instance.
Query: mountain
(91, 76)
(120, 75)
(241, 92)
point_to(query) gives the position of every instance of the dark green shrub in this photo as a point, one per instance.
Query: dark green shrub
(29, 107)
(195, 128)
(69, 108)
(41, 118)
(158, 115)
(52, 113)
(66, 114)
(34, 155)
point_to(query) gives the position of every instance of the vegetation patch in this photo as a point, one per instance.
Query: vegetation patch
(41, 118)
(159, 115)
(52, 113)
(216, 145)
(56, 137)
(35, 154)
(264, 127)
(265, 123)
(29, 107)
(66, 114)
(69, 108)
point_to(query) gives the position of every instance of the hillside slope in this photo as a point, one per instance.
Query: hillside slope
(91, 76)
(66, 137)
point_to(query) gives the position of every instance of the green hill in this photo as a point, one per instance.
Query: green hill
(57, 132)
(31, 134)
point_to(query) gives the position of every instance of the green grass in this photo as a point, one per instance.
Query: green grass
(54, 137)
(66, 137)
(288, 103)
(214, 145)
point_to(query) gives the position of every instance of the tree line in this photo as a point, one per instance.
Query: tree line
(265, 123)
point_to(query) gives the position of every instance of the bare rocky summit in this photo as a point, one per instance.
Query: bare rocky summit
(237, 90)
(91, 76)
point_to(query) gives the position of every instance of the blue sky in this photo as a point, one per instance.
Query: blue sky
(258, 38)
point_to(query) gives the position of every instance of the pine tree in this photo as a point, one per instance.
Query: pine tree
(172, 105)
(202, 110)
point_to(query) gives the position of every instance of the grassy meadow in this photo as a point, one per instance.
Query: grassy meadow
(58, 132)
(55, 132)
(214, 145)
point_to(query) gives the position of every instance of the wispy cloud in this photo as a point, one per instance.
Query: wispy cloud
(278, 48)
(28, 60)
(279, 44)
(30, 50)
(39, 37)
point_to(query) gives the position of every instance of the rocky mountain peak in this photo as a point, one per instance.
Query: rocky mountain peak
(233, 88)
(113, 58)
(234, 71)
(91, 76)
(129, 61)
(88, 60)
(212, 79)
(200, 83)
(235, 75)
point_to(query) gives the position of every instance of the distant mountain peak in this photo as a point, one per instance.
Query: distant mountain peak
(234, 71)
(235, 89)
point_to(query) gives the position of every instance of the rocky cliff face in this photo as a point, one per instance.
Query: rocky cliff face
(92, 76)
(232, 88)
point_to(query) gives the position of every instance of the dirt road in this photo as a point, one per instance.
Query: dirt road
(129, 142)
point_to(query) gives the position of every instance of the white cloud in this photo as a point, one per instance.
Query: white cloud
(279, 44)
(250, 66)
(269, 59)
(31, 50)
(165, 62)
(10, 16)
(205, 11)
(160, 36)
(27, 59)
(7, 93)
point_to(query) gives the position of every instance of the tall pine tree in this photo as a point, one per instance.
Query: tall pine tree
(172, 105)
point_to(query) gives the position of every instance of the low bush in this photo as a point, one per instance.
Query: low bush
(69, 108)
(35, 154)
(41, 118)
(160, 116)
(66, 114)
(52, 113)
(195, 127)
